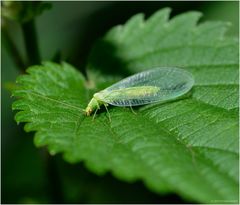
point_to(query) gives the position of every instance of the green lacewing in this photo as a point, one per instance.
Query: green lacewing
(151, 86)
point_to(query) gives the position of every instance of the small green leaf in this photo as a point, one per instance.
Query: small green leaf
(188, 146)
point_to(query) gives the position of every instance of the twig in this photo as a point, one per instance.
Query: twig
(54, 183)
(12, 50)
(30, 38)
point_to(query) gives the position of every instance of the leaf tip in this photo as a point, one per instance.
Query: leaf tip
(162, 14)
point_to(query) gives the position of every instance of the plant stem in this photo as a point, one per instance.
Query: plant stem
(30, 38)
(12, 50)
(54, 182)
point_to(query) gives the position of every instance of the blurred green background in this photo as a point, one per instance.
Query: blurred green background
(68, 30)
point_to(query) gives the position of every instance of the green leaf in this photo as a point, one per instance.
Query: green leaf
(188, 146)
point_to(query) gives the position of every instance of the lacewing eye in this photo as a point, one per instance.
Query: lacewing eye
(155, 85)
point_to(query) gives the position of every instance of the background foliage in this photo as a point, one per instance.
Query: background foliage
(98, 188)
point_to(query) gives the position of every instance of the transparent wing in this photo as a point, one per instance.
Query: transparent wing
(159, 84)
